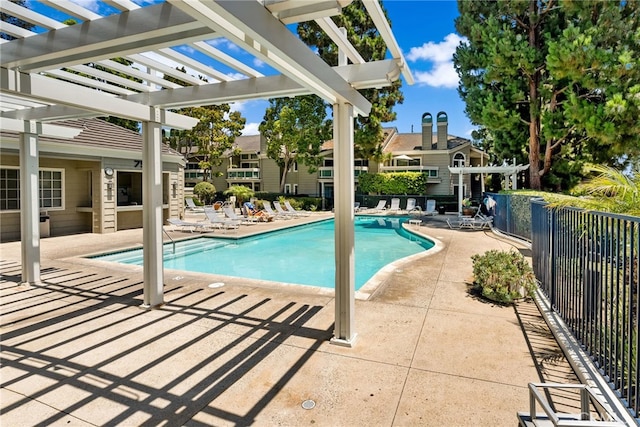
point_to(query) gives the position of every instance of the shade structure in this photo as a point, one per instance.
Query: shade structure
(142, 62)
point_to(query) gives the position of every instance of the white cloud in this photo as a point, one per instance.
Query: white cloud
(92, 5)
(442, 73)
(251, 129)
(258, 63)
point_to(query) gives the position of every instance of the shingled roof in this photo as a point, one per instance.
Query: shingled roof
(413, 141)
(98, 133)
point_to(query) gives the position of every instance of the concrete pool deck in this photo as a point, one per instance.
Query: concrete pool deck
(79, 350)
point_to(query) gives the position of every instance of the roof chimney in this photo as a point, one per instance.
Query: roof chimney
(427, 131)
(443, 130)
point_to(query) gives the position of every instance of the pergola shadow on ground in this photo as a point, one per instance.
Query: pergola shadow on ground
(78, 350)
(134, 369)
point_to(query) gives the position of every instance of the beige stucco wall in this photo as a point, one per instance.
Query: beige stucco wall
(76, 193)
(90, 202)
(269, 175)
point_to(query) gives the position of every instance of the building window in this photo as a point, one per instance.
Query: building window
(51, 184)
(431, 173)
(287, 189)
(295, 188)
(458, 160)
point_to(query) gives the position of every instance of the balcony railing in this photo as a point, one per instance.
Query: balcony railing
(243, 173)
(405, 168)
(326, 172)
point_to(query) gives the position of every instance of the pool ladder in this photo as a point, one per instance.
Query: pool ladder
(172, 241)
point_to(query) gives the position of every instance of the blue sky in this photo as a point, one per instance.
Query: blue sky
(425, 31)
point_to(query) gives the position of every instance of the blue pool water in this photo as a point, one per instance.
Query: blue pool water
(302, 255)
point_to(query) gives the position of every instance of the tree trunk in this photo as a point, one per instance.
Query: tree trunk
(283, 178)
(534, 103)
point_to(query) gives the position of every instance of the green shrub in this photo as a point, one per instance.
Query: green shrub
(205, 191)
(393, 183)
(503, 276)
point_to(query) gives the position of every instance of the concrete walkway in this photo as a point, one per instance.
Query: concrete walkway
(79, 351)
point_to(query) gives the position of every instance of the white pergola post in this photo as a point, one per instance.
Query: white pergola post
(344, 332)
(460, 191)
(152, 214)
(29, 205)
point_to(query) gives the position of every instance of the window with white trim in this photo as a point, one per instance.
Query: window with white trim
(287, 189)
(50, 189)
(295, 188)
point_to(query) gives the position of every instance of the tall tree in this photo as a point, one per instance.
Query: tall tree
(362, 33)
(295, 129)
(528, 73)
(503, 78)
(598, 55)
(214, 134)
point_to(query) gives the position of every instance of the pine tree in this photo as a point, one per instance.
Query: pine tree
(562, 76)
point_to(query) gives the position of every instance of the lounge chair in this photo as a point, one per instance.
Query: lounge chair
(481, 221)
(477, 222)
(381, 206)
(395, 205)
(430, 208)
(219, 221)
(281, 211)
(249, 211)
(180, 225)
(291, 209)
(269, 210)
(356, 206)
(191, 206)
(412, 208)
(230, 213)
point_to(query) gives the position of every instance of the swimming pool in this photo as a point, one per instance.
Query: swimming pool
(301, 255)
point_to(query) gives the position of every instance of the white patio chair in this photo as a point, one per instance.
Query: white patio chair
(281, 211)
(230, 213)
(291, 209)
(266, 205)
(180, 225)
(191, 206)
(395, 205)
(412, 208)
(430, 207)
(381, 206)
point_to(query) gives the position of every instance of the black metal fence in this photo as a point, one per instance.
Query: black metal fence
(512, 214)
(588, 265)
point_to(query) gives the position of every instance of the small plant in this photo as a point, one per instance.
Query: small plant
(466, 202)
(503, 276)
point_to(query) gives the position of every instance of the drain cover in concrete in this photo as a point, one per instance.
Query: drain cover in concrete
(216, 285)
(308, 404)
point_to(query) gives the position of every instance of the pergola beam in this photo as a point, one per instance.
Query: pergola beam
(252, 27)
(40, 129)
(126, 33)
(39, 87)
(361, 76)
